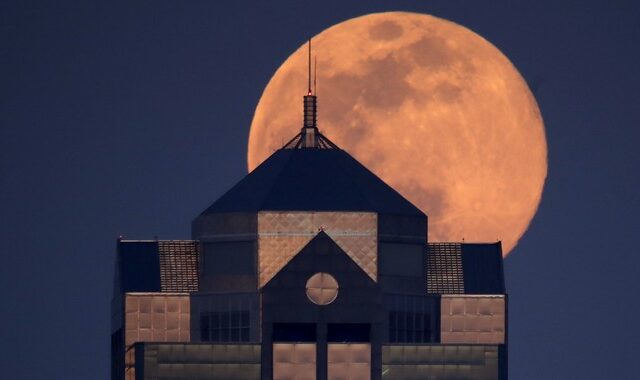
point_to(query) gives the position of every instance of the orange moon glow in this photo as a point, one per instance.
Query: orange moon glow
(432, 108)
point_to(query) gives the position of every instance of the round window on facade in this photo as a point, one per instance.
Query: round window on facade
(322, 288)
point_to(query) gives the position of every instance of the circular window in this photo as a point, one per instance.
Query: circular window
(322, 288)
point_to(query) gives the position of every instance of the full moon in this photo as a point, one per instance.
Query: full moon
(432, 108)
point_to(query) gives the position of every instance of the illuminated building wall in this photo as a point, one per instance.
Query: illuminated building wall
(360, 330)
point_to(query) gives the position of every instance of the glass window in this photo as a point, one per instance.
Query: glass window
(408, 327)
(233, 326)
(416, 362)
(205, 329)
(244, 334)
(349, 332)
(294, 332)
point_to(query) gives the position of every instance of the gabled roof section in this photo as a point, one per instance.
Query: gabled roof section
(312, 180)
(322, 254)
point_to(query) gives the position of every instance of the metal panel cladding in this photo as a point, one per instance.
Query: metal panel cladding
(281, 235)
(294, 361)
(154, 317)
(157, 317)
(349, 361)
(472, 319)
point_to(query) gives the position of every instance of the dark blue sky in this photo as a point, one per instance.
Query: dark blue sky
(131, 117)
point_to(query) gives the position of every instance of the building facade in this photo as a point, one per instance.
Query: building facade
(310, 267)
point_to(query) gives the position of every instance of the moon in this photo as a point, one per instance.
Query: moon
(432, 108)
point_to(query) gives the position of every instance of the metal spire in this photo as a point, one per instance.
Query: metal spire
(310, 128)
(309, 76)
(309, 136)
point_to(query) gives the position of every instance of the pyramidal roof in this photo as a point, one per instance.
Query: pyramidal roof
(311, 173)
(312, 179)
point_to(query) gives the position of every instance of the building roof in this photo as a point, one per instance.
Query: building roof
(465, 268)
(157, 266)
(312, 180)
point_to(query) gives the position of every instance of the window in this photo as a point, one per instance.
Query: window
(407, 327)
(225, 326)
(348, 332)
(294, 332)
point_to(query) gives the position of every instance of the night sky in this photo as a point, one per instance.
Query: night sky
(131, 117)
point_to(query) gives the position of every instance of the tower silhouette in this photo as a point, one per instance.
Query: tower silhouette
(310, 267)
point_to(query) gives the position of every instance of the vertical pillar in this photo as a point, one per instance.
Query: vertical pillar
(267, 352)
(376, 350)
(321, 350)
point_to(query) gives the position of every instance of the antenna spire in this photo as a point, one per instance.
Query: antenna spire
(309, 77)
(310, 129)
(310, 136)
